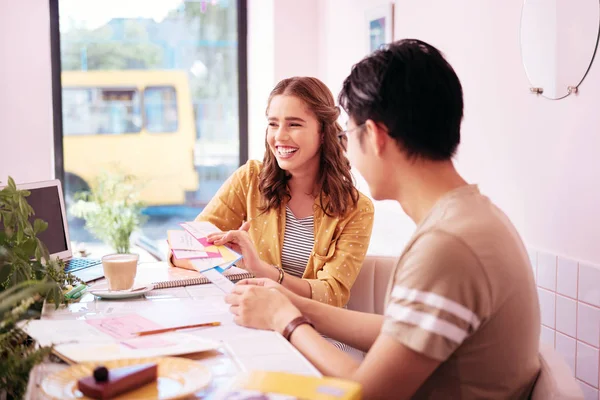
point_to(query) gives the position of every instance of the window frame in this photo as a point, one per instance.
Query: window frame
(145, 116)
(242, 61)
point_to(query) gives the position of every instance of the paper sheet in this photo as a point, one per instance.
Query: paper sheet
(219, 280)
(123, 327)
(199, 229)
(191, 254)
(182, 240)
(166, 344)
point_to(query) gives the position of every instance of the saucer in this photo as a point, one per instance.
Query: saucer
(103, 292)
(178, 378)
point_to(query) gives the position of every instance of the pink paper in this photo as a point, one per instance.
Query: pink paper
(204, 242)
(123, 327)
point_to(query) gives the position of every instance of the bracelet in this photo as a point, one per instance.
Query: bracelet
(296, 322)
(281, 274)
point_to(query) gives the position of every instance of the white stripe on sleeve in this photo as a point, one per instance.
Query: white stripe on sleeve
(437, 301)
(427, 322)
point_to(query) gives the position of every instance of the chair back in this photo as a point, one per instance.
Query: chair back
(369, 290)
(556, 379)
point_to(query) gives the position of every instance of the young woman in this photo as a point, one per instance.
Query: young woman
(297, 217)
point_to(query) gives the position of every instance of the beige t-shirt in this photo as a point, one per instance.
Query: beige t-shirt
(463, 293)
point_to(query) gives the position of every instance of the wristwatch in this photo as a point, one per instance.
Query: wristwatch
(296, 322)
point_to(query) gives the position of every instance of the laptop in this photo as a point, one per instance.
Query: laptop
(47, 201)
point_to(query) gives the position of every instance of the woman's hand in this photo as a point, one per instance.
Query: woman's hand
(261, 307)
(240, 242)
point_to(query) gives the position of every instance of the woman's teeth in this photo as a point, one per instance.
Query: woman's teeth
(286, 150)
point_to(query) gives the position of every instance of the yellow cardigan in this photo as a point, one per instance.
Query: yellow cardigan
(340, 243)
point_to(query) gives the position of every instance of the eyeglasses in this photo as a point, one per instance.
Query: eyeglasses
(344, 134)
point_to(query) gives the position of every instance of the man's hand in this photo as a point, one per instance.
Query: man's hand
(261, 307)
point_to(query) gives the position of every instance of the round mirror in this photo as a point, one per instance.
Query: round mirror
(558, 43)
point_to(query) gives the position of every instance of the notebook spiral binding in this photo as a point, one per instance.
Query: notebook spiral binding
(199, 281)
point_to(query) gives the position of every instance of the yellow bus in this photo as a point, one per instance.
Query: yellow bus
(141, 122)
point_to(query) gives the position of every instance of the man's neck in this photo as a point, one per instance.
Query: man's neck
(424, 184)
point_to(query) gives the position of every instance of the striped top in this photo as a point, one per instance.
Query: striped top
(298, 241)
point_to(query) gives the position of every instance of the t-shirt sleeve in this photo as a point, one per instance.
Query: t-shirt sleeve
(439, 298)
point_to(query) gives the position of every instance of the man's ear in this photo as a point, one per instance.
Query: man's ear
(377, 136)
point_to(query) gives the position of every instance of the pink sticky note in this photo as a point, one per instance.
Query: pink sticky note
(123, 327)
(204, 242)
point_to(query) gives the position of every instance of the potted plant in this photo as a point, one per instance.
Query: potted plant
(111, 209)
(27, 277)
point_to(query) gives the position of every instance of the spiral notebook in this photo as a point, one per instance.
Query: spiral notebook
(163, 276)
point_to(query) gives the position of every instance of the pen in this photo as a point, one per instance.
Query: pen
(155, 331)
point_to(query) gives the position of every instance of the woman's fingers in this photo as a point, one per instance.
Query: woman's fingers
(251, 281)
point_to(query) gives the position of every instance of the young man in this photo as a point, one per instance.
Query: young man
(462, 318)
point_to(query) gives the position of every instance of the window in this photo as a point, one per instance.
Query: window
(160, 109)
(100, 111)
(155, 88)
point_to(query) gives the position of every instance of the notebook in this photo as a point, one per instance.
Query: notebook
(163, 276)
(274, 385)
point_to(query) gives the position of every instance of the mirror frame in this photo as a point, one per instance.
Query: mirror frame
(570, 89)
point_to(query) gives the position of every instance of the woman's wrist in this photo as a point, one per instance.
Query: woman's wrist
(266, 270)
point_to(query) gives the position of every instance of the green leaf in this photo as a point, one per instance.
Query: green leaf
(11, 183)
(39, 226)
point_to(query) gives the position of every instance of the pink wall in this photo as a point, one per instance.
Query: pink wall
(283, 40)
(296, 38)
(535, 157)
(26, 149)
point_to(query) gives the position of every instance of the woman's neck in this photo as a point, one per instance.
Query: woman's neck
(304, 182)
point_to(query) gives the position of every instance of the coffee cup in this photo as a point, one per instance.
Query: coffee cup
(120, 270)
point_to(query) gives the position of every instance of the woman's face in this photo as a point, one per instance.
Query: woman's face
(293, 134)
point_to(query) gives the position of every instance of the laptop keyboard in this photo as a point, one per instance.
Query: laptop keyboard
(80, 263)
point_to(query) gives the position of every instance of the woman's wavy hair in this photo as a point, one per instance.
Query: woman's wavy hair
(335, 181)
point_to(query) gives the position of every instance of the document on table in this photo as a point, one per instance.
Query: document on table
(219, 280)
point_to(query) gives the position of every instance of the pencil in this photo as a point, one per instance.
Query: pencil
(155, 331)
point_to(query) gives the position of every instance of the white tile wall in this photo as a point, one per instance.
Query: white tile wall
(566, 346)
(566, 277)
(547, 335)
(546, 270)
(569, 293)
(547, 307)
(589, 393)
(587, 364)
(566, 316)
(589, 289)
(588, 324)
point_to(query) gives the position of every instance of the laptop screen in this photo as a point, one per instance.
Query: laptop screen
(45, 202)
